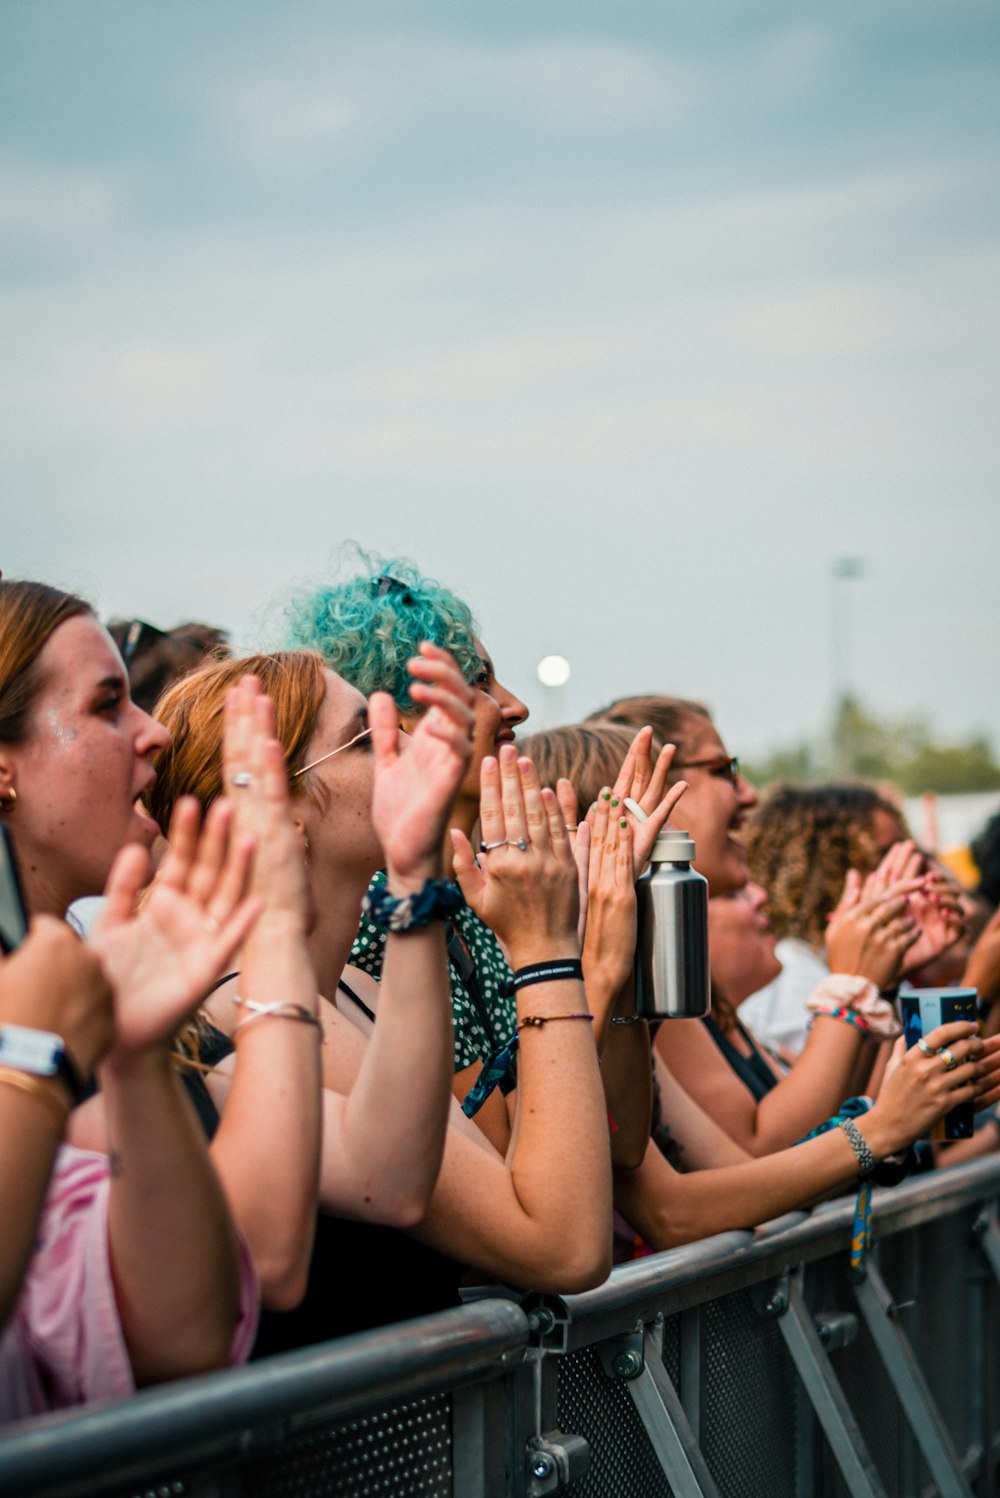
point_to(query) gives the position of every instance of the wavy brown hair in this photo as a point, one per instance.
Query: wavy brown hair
(800, 843)
(193, 710)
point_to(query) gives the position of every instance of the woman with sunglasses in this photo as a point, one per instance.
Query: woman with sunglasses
(727, 1189)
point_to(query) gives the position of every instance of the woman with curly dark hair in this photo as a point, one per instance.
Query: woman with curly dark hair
(800, 844)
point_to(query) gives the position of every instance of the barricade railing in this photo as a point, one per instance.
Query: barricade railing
(750, 1365)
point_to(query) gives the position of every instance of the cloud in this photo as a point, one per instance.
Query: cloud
(38, 199)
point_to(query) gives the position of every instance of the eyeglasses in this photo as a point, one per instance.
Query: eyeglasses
(324, 757)
(726, 765)
(139, 637)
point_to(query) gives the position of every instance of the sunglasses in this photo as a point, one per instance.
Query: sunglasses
(385, 586)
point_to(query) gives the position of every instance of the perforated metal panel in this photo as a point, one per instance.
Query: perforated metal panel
(622, 1463)
(748, 1387)
(406, 1450)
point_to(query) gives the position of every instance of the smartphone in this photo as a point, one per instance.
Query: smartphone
(13, 916)
(924, 1009)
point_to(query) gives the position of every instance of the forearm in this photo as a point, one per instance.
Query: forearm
(627, 1074)
(30, 1138)
(173, 1251)
(812, 1091)
(267, 1146)
(669, 1209)
(394, 1119)
(545, 1220)
(701, 1142)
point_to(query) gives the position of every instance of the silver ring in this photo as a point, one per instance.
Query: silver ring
(928, 1050)
(950, 1062)
(241, 780)
(521, 843)
(488, 847)
(572, 826)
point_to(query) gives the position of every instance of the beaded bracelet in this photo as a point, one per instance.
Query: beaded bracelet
(548, 972)
(436, 900)
(282, 1009)
(533, 1021)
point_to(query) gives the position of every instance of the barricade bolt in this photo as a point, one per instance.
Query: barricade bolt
(627, 1365)
(542, 1465)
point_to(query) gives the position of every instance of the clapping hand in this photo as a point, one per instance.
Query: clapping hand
(525, 885)
(646, 785)
(162, 957)
(416, 781)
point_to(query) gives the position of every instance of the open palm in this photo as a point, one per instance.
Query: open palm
(162, 958)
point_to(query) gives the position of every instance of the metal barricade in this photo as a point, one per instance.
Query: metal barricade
(749, 1365)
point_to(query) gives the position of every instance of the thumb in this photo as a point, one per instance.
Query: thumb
(469, 875)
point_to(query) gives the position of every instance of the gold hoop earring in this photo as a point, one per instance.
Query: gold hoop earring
(8, 802)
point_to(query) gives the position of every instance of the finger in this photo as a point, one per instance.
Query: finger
(535, 814)
(129, 873)
(660, 813)
(581, 854)
(851, 892)
(470, 877)
(599, 825)
(490, 805)
(623, 853)
(643, 767)
(233, 883)
(383, 720)
(238, 726)
(444, 697)
(438, 724)
(511, 796)
(623, 783)
(182, 844)
(213, 845)
(653, 794)
(947, 1035)
(568, 803)
(558, 836)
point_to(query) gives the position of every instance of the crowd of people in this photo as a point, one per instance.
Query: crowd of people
(325, 1006)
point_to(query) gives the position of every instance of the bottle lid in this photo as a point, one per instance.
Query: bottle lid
(673, 846)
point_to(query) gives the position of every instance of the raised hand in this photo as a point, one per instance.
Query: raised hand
(525, 884)
(162, 958)
(646, 785)
(938, 912)
(869, 934)
(609, 941)
(415, 782)
(256, 780)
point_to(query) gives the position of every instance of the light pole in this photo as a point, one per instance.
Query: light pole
(843, 570)
(553, 672)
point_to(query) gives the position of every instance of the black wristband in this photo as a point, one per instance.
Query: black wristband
(548, 972)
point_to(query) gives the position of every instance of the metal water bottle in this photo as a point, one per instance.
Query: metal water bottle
(672, 978)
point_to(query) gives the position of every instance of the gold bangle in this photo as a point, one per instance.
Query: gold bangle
(36, 1087)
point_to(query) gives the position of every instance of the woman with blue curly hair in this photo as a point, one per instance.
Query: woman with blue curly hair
(366, 628)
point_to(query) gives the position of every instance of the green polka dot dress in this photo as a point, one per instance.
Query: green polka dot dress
(472, 1041)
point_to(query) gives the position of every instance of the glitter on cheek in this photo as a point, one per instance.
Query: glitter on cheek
(64, 734)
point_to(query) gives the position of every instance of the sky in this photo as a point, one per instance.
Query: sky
(625, 320)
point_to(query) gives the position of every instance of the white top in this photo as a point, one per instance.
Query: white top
(777, 1013)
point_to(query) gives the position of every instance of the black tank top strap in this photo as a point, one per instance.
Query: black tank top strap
(753, 1070)
(346, 988)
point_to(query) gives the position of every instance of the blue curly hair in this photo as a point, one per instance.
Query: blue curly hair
(367, 627)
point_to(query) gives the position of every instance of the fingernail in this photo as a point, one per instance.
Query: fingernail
(623, 824)
(614, 800)
(605, 795)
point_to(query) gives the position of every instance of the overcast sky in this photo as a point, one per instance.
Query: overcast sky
(623, 319)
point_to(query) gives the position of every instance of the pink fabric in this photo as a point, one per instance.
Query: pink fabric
(63, 1344)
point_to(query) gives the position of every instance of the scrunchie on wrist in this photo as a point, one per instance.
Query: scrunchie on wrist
(844, 991)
